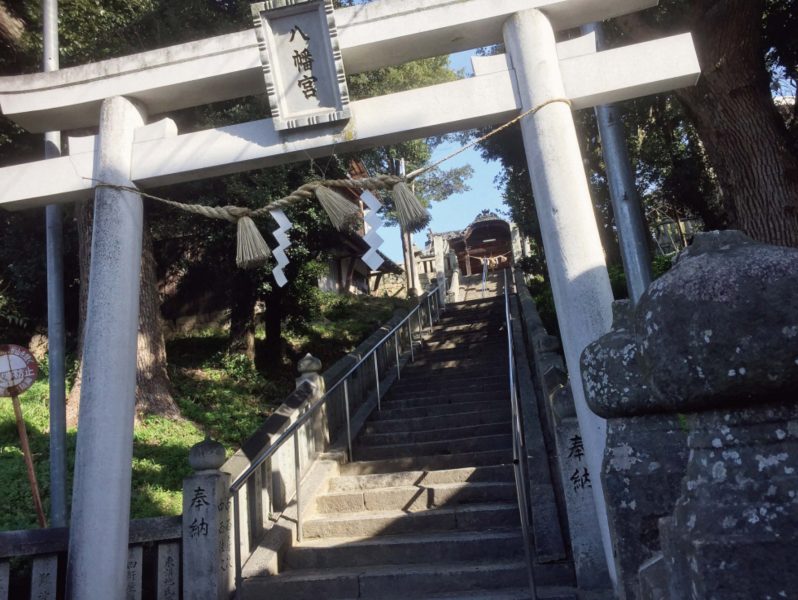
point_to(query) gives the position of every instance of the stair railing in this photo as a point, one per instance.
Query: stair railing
(519, 446)
(484, 276)
(432, 301)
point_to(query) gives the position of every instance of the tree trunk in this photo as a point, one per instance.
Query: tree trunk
(732, 109)
(84, 216)
(746, 139)
(153, 388)
(273, 322)
(11, 28)
(242, 315)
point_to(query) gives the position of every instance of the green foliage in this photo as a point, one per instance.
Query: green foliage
(219, 394)
(544, 302)
(661, 265)
(344, 321)
(438, 184)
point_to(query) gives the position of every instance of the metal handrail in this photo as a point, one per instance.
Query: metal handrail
(430, 298)
(484, 276)
(519, 446)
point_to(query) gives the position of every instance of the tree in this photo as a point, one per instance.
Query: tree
(11, 28)
(91, 31)
(732, 109)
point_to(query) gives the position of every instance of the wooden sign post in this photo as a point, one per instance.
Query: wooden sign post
(18, 371)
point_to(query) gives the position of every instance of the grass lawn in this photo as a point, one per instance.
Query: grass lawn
(217, 393)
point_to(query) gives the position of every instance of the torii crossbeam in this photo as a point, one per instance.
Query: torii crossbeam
(118, 95)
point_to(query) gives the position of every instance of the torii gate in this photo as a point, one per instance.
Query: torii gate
(118, 95)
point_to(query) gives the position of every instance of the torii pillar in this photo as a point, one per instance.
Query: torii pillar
(574, 254)
(98, 538)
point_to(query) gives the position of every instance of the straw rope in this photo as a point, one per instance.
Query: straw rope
(307, 191)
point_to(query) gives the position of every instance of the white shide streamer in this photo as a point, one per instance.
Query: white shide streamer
(372, 222)
(283, 242)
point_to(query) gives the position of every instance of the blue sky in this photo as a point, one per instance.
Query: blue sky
(459, 210)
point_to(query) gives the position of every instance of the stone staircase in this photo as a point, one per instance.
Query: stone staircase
(471, 286)
(428, 509)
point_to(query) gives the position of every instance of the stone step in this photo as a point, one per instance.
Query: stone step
(474, 332)
(412, 437)
(498, 473)
(454, 369)
(388, 582)
(497, 414)
(426, 386)
(543, 593)
(498, 395)
(468, 517)
(474, 346)
(475, 363)
(469, 326)
(478, 307)
(331, 553)
(475, 322)
(428, 463)
(465, 339)
(415, 498)
(438, 447)
(485, 352)
(437, 410)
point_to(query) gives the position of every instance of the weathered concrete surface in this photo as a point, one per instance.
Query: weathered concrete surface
(719, 329)
(733, 531)
(644, 463)
(98, 543)
(574, 255)
(716, 337)
(207, 559)
(481, 101)
(561, 431)
(381, 34)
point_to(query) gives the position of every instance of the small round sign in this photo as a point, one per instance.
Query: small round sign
(18, 370)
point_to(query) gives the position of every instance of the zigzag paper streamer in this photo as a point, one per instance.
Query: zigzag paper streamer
(283, 241)
(372, 222)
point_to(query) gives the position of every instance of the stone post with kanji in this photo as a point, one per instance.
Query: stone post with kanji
(207, 564)
(698, 383)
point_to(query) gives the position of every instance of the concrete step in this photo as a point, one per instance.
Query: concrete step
(438, 447)
(415, 463)
(453, 370)
(487, 352)
(477, 361)
(427, 386)
(468, 326)
(435, 347)
(497, 473)
(465, 339)
(543, 593)
(437, 410)
(399, 401)
(439, 350)
(332, 553)
(389, 582)
(412, 437)
(415, 498)
(497, 414)
(468, 517)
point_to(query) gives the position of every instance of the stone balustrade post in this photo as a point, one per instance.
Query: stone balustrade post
(207, 561)
(309, 368)
(698, 385)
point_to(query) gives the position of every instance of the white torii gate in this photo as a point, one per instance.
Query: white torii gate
(118, 95)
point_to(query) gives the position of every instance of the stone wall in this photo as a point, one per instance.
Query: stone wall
(698, 383)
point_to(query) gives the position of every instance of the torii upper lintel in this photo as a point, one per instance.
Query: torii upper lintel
(380, 34)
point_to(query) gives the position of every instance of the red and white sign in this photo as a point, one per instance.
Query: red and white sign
(18, 370)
